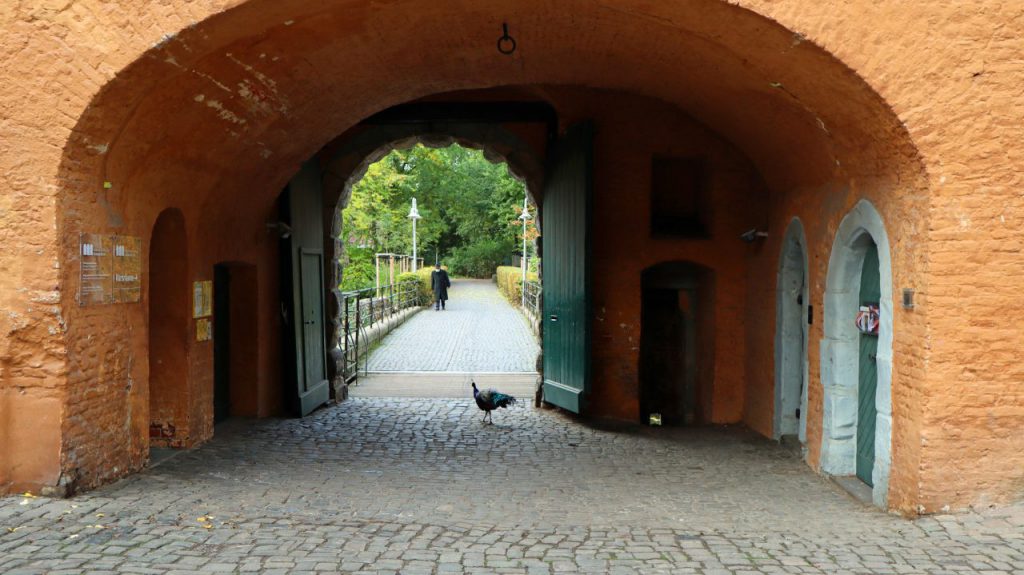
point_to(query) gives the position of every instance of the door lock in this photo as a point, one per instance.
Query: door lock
(554, 317)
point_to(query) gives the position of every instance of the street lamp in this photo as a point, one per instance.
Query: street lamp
(414, 215)
(525, 216)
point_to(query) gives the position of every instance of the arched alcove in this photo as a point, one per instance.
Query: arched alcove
(169, 322)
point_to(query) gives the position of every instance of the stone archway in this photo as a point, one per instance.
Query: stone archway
(214, 116)
(861, 228)
(348, 159)
(791, 370)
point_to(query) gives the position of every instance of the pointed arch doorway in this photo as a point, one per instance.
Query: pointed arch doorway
(856, 367)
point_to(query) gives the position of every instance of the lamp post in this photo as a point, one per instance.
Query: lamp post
(525, 216)
(414, 215)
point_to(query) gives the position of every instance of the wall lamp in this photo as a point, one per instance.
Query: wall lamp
(753, 234)
(283, 230)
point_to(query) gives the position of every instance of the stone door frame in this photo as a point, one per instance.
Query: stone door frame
(840, 351)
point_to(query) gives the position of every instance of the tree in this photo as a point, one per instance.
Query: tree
(469, 208)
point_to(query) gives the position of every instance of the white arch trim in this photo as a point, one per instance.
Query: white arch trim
(840, 350)
(791, 336)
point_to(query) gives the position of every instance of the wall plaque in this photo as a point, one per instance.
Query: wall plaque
(127, 269)
(111, 269)
(96, 273)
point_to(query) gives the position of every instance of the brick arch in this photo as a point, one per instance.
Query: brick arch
(218, 116)
(248, 93)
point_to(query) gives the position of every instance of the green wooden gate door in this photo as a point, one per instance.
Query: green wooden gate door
(313, 387)
(566, 246)
(870, 293)
(302, 290)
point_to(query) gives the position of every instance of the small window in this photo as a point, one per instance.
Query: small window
(679, 202)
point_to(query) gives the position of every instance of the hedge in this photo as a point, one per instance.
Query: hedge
(422, 279)
(510, 282)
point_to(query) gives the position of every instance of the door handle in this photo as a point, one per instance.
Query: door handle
(554, 317)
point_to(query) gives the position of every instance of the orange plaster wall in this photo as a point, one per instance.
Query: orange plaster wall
(629, 131)
(947, 72)
(30, 444)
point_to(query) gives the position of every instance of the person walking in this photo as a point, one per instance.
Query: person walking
(440, 283)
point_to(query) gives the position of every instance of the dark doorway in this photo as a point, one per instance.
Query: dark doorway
(221, 343)
(234, 340)
(672, 296)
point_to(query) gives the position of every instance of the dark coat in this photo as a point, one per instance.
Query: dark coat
(440, 283)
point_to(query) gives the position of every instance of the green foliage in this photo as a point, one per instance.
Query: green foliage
(478, 259)
(510, 282)
(469, 208)
(422, 279)
(358, 271)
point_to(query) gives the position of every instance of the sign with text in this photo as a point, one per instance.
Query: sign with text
(127, 267)
(202, 299)
(111, 269)
(96, 270)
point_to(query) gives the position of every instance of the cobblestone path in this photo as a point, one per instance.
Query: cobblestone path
(479, 332)
(420, 486)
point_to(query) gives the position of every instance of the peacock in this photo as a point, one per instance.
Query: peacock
(489, 400)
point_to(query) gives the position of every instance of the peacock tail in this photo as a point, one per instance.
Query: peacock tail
(489, 399)
(499, 399)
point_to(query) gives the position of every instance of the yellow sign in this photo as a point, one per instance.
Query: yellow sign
(204, 329)
(202, 299)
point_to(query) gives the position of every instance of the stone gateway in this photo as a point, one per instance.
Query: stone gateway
(224, 135)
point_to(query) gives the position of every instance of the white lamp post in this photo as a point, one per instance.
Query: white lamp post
(414, 215)
(525, 216)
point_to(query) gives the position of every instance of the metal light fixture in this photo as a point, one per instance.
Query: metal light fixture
(525, 216)
(753, 234)
(414, 215)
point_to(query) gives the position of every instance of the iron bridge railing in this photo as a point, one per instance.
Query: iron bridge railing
(532, 292)
(366, 310)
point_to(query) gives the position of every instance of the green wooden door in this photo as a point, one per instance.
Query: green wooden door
(313, 387)
(870, 293)
(303, 290)
(566, 223)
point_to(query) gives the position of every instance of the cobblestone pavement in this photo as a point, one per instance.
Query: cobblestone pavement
(421, 486)
(478, 332)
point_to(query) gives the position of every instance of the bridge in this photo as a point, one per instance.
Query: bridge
(435, 353)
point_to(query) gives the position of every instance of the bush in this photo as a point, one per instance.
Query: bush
(358, 271)
(479, 259)
(510, 283)
(422, 278)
